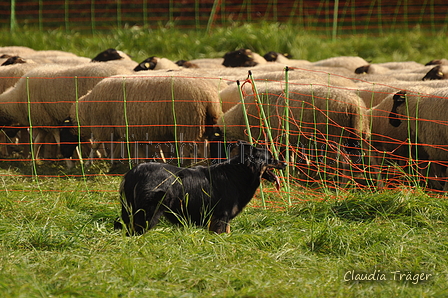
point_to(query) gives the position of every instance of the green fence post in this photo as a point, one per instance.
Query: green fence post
(335, 18)
(92, 15)
(119, 13)
(196, 14)
(212, 16)
(13, 23)
(66, 15)
(145, 13)
(40, 15)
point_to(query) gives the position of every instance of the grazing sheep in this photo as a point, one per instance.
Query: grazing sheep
(231, 95)
(372, 69)
(322, 121)
(211, 63)
(349, 62)
(13, 60)
(442, 61)
(16, 50)
(110, 54)
(242, 58)
(401, 65)
(276, 57)
(425, 118)
(386, 137)
(186, 64)
(156, 63)
(51, 91)
(10, 74)
(158, 109)
(439, 72)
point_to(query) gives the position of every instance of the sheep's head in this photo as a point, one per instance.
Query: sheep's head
(399, 98)
(362, 69)
(436, 73)
(186, 64)
(13, 60)
(442, 61)
(271, 56)
(239, 58)
(147, 64)
(107, 55)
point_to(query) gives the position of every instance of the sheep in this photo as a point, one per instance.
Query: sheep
(371, 69)
(321, 118)
(156, 63)
(349, 62)
(388, 138)
(16, 50)
(231, 96)
(158, 109)
(401, 65)
(51, 91)
(425, 118)
(277, 57)
(13, 60)
(439, 72)
(242, 58)
(10, 74)
(110, 54)
(442, 61)
(212, 63)
(186, 64)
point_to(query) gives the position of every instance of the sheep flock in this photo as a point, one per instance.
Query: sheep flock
(341, 121)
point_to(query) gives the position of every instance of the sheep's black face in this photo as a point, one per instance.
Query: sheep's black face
(270, 56)
(147, 64)
(434, 62)
(107, 55)
(13, 60)
(239, 58)
(434, 74)
(362, 69)
(399, 98)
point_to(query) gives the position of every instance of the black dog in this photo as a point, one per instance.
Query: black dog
(205, 196)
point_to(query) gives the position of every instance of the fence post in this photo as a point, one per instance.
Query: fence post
(119, 13)
(13, 23)
(335, 18)
(92, 15)
(66, 16)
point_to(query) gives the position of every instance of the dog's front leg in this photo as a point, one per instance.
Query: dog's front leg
(219, 225)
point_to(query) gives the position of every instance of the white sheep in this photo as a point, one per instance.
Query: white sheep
(156, 63)
(425, 119)
(322, 120)
(42, 97)
(10, 74)
(349, 62)
(150, 110)
(231, 95)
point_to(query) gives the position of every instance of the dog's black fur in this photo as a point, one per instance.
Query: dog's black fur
(205, 196)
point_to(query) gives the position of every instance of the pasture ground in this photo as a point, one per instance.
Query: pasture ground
(57, 237)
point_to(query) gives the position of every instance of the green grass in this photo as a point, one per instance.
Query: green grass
(60, 242)
(57, 237)
(141, 43)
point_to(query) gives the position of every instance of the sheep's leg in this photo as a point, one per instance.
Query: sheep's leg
(93, 152)
(38, 142)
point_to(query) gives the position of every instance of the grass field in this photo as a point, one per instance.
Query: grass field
(57, 237)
